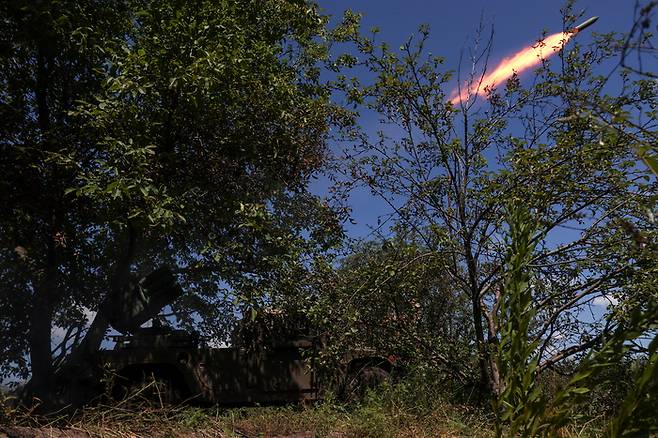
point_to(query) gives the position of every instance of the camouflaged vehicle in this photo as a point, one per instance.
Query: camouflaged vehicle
(174, 366)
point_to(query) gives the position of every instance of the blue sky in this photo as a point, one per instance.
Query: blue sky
(516, 23)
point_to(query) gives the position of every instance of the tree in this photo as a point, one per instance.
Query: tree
(386, 296)
(449, 173)
(141, 134)
(47, 64)
(640, 45)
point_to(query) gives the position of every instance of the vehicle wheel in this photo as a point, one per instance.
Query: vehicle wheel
(359, 381)
(75, 386)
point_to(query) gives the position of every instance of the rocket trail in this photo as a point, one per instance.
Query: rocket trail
(523, 60)
(518, 63)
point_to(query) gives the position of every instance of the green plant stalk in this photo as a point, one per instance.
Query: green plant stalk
(520, 402)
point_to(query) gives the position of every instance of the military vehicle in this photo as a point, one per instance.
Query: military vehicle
(264, 366)
(173, 366)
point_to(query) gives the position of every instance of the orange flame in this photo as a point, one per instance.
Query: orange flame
(523, 60)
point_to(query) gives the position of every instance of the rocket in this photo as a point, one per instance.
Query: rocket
(584, 24)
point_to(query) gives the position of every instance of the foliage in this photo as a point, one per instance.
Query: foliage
(387, 297)
(633, 417)
(138, 134)
(47, 62)
(521, 406)
(447, 174)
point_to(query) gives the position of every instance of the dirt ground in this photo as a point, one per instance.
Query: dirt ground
(32, 432)
(49, 432)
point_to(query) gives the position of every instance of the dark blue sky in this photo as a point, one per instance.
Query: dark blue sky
(517, 23)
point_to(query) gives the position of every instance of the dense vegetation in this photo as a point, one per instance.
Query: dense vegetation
(142, 134)
(138, 135)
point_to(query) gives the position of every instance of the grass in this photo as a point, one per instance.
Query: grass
(416, 407)
(386, 413)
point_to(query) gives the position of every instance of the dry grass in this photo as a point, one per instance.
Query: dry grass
(389, 414)
(135, 417)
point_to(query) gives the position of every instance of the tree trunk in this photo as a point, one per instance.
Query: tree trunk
(40, 384)
(41, 315)
(494, 381)
(492, 344)
(483, 354)
(80, 373)
(486, 383)
(40, 354)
